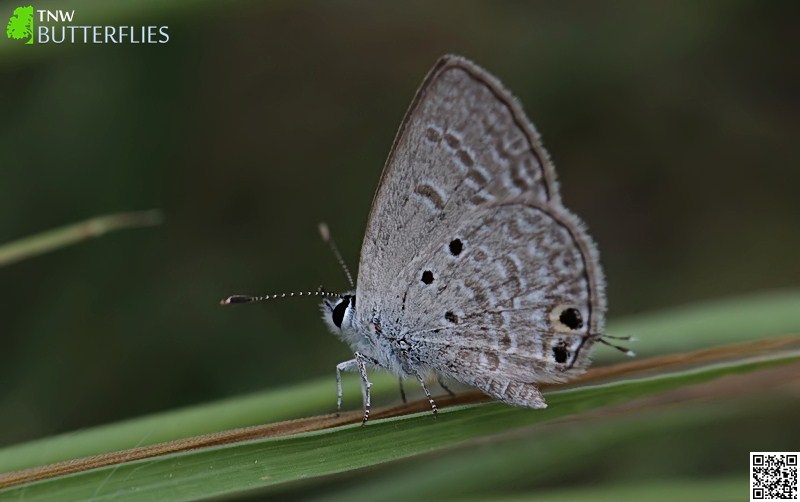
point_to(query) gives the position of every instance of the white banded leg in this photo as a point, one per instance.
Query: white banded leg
(427, 393)
(358, 363)
(345, 366)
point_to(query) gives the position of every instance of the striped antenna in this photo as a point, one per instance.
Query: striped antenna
(325, 233)
(250, 299)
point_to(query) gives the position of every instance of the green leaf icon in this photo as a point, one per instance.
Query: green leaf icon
(20, 25)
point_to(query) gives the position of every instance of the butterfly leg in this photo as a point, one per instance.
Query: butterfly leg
(402, 391)
(366, 385)
(359, 363)
(345, 366)
(445, 387)
(427, 394)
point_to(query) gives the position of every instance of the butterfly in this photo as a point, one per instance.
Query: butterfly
(471, 267)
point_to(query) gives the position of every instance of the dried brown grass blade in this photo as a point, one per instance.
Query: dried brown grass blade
(291, 427)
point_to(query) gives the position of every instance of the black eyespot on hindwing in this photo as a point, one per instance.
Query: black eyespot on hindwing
(451, 317)
(456, 246)
(427, 277)
(338, 312)
(571, 318)
(560, 353)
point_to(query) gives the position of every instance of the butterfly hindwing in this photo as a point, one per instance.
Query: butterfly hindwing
(517, 303)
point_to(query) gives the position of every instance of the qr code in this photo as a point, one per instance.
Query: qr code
(773, 476)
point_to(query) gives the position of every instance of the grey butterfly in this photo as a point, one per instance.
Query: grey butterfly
(471, 268)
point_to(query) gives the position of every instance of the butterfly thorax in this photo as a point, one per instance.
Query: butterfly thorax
(384, 345)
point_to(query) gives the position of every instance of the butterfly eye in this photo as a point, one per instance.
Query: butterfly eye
(338, 312)
(571, 318)
(560, 353)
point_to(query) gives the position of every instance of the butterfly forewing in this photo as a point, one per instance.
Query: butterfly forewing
(464, 142)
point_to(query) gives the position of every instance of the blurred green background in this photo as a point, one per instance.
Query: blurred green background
(673, 125)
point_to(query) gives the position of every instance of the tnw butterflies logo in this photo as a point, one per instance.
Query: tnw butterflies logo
(28, 26)
(20, 25)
